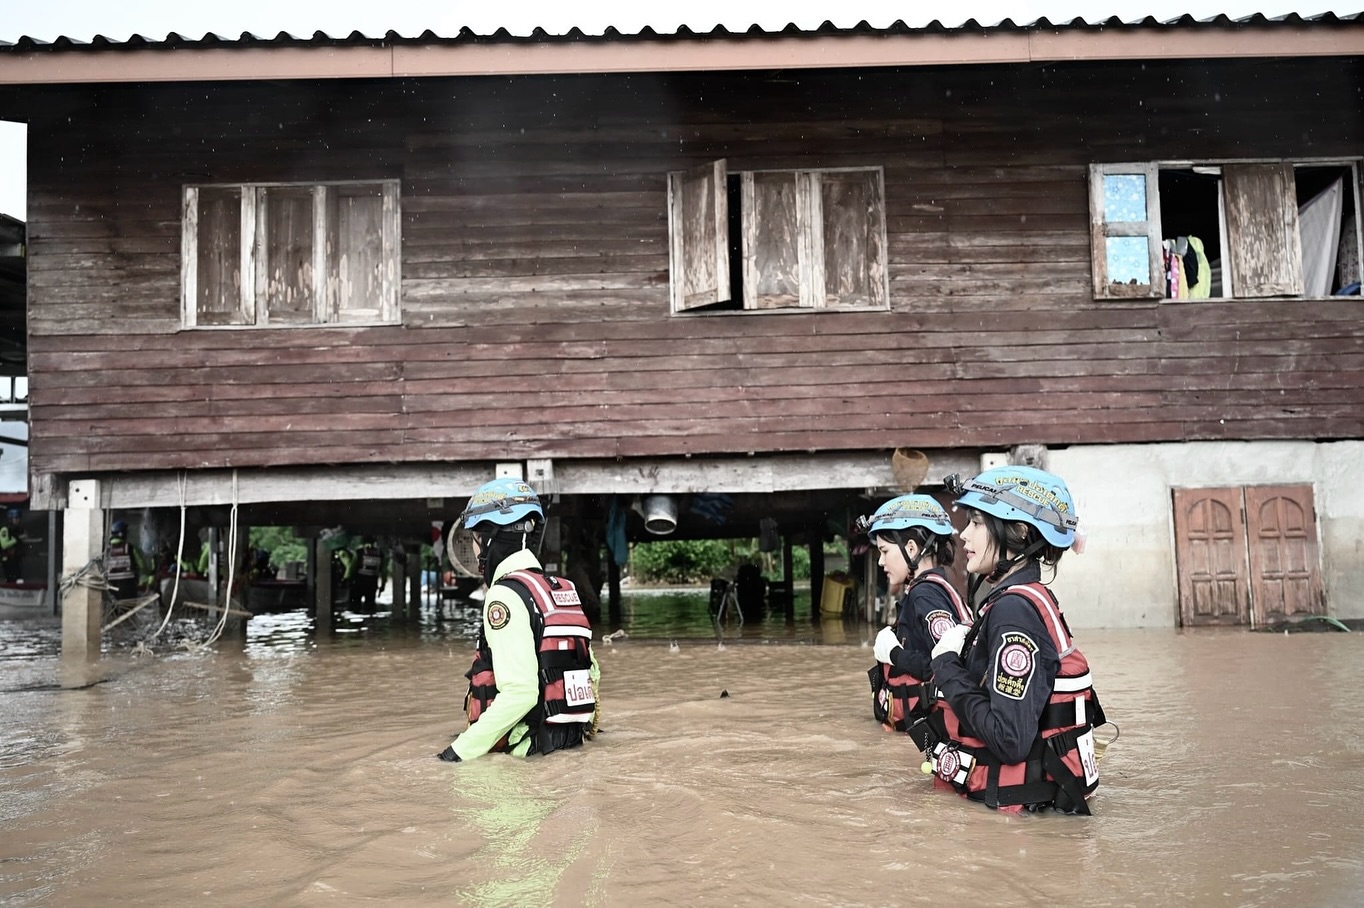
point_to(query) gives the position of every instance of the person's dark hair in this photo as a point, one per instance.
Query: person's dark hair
(939, 547)
(1013, 537)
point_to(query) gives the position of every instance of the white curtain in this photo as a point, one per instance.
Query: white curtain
(1319, 223)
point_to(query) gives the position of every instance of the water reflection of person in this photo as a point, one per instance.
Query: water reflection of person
(913, 538)
(1018, 728)
(533, 684)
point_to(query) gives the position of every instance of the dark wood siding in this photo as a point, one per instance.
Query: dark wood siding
(535, 285)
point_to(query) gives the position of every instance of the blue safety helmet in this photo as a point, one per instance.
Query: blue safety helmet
(120, 527)
(13, 513)
(909, 511)
(1027, 494)
(502, 502)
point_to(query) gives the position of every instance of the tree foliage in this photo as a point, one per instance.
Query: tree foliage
(699, 560)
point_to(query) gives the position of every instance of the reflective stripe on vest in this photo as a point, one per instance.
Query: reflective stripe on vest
(121, 562)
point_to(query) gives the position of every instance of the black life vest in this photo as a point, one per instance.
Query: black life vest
(369, 562)
(898, 698)
(563, 714)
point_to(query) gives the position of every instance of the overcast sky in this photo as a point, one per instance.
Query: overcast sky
(118, 19)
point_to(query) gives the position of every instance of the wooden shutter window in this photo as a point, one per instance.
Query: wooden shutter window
(211, 257)
(285, 245)
(773, 225)
(854, 242)
(698, 229)
(1262, 230)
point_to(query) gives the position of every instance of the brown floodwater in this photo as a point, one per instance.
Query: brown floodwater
(290, 770)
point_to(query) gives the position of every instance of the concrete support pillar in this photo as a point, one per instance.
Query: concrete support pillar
(82, 541)
(322, 587)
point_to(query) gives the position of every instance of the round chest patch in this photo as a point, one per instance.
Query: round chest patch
(939, 624)
(948, 764)
(1016, 659)
(498, 616)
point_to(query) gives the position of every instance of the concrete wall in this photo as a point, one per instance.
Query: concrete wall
(1126, 576)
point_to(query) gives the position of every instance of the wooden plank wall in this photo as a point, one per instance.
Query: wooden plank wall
(535, 270)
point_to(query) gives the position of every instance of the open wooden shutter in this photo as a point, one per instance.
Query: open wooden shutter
(698, 230)
(853, 246)
(211, 257)
(776, 219)
(1261, 206)
(1124, 231)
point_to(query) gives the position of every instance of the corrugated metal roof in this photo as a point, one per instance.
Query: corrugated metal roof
(659, 28)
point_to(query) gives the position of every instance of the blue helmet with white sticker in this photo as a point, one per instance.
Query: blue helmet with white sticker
(1025, 494)
(503, 503)
(910, 511)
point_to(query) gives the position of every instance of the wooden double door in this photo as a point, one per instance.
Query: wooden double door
(1247, 555)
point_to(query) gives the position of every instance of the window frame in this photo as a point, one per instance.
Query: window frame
(253, 307)
(699, 234)
(1101, 230)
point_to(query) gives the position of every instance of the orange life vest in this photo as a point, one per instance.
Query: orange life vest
(563, 643)
(1060, 769)
(898, 698)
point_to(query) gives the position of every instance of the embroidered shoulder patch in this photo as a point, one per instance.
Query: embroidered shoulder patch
(498, 616)
(939, 620)
(1015, 665)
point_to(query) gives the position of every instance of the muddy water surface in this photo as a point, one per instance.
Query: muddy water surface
(287, 770)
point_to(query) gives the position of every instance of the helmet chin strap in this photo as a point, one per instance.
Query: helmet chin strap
(1007, 564)
(1002, 567)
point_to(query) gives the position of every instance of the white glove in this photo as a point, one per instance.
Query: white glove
(885, 642)
(951, 640)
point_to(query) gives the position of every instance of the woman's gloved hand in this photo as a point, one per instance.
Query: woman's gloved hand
(885, 642)
(951, 640)
(449, 755)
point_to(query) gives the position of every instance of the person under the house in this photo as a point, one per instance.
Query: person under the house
(912, 536)
(198, 565)
(127, 569)
(12, 546)
(1017, 730)
(368, 571)
(533, 684)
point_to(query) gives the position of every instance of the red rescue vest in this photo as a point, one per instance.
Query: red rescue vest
(563, 642)
(120, 562)
(1060, 770)
(900, 699)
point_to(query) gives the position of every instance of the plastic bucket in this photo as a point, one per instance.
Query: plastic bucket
(660, 514)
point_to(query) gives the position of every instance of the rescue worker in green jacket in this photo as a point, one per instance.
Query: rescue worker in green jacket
(533, 684)
(12, 546)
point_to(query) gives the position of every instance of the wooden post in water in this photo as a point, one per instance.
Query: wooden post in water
(397, 572)
(322, 608)
(788, 571)
(412, 557)
(814, 537)
(613, 589)
(82, 542)
(869, 586)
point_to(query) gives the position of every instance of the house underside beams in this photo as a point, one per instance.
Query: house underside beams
(781, 473)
